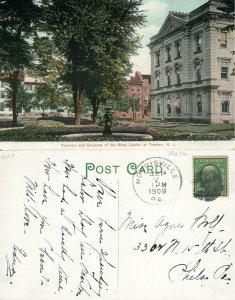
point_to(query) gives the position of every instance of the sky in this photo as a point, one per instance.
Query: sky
(156, 12)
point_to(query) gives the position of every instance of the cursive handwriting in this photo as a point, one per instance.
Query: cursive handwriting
(185, 272)
(68, 168)
(63, 278)
(165, 225)
(202, 221)
(31, 211)
(198, 273)
(47, 188)
(48, 166)
(31, 189)
(64, 252)
(17, 253)
(130, 223)
(64, 189)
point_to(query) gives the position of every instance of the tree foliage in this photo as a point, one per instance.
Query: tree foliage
(91, 35)
(228, 10)
(16, 26)
(49, 96)
(24, 98)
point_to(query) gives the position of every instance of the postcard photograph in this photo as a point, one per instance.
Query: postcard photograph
(116, 70)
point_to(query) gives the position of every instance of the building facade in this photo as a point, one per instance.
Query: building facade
(192, 67)
(139, 91)
(29, 84)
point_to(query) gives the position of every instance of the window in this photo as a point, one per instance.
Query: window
(138, 89)
(177, 50)
(225, 104)
(146, 99)
(198, 66)
(178, 71)
(146, 81)
(169, 80)
(198, 42)
(157, 56)
(2, 106)
(178, 105)
(199, 104)
(168, 106)
(224, 69)
(168, 53)
(158, 84)
(198, 75)
(157, 76)
(223, 39)
(224, 72)
(3, 94)
(28, 86)
(178, 78)
(3, 84)
(158, 107)
(225, 107)
(168, 70)
(133, 89)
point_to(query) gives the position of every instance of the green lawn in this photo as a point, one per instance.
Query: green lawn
(225, 130)
(159, 131)
(21, 122)
(203, 128)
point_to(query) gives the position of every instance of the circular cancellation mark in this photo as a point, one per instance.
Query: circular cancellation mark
(157, 180)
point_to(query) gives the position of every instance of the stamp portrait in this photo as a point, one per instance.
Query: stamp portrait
(210, 177)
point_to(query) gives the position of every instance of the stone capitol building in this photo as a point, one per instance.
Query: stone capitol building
(193, 66)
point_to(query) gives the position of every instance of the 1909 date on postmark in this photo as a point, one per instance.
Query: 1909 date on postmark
(210, 177)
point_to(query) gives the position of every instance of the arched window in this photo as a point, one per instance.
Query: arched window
(169, 80)
(168, 74)
(158, 107)
(178, 72)
(225, 104)
(157, 76)
(199, 104)
(198, 67)
(168, 106)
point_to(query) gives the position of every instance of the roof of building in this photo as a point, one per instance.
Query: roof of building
(176, 20)
(139, 78)
(28, 79)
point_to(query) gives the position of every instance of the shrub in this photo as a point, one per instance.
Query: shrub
(65, 120)
(108, 121)
(168, 135)
(45, 124)
(29, 135)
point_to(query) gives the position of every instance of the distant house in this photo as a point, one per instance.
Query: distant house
(139, 92)
(192, 66)
(29, 83)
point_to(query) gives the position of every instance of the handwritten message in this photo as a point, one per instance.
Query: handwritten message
(70, 223)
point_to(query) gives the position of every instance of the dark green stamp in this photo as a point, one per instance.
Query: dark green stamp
(210, 177)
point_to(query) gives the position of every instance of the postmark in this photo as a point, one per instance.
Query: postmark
(210, 177)
(157, 180)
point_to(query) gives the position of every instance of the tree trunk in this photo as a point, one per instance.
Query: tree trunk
(95, 107)
(14, 88)
(78, 95)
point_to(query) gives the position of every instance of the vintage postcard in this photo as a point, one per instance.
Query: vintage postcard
(117, 150)
(117, 224)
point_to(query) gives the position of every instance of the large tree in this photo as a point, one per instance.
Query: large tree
(90, 33)
(227, 8)
(107, 84)
(16, 26)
